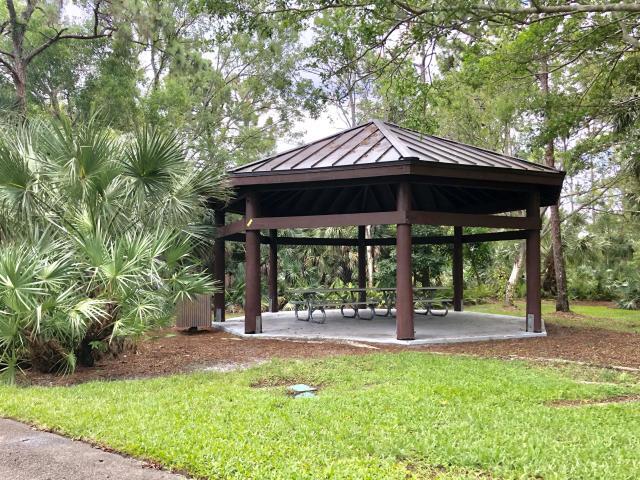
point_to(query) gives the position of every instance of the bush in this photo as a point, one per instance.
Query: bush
(630, 293)
(479, 294)
(97, 241)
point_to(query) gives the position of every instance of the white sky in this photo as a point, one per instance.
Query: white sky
(312, 129)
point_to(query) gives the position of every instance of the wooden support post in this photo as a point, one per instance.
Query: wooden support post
(362, 263)
(458, 279)
(252, 304)
(404, 283)
(534, 307)
(219, 270)
(273, 271)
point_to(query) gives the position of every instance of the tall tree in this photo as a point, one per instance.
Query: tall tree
(339, 59)
(29, 29)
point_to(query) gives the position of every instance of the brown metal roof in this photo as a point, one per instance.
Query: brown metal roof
(378, 142)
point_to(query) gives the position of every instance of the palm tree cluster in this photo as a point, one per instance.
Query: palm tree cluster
(98, 233)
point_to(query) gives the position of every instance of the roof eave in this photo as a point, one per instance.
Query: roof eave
(401, 167)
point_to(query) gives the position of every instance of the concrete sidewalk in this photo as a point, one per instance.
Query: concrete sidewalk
(27, 454)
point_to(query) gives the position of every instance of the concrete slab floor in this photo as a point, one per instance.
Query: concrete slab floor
(29, 454)
(429, 329)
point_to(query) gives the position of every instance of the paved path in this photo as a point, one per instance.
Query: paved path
(28, 454)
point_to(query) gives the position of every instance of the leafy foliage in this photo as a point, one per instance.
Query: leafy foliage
(97, 240)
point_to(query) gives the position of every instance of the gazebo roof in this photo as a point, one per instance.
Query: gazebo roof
(378, 142)
(358, 170)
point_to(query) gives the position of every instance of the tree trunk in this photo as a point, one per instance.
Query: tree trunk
(562, 298)
(514, 278)
(549, 275)
(426, 277)
(20, 83)
(16, 63)
(562, 295)
(369, 230)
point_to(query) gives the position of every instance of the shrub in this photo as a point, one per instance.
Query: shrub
(98, 234)
(630, 293)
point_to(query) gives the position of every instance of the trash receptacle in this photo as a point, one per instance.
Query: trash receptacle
(194, 313)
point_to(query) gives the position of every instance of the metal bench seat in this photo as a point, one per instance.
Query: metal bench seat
(429, 304)
(314, 305)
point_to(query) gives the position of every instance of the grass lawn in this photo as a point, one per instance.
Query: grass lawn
(379, 416)
(584, 315)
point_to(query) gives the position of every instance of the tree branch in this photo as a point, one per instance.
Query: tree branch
(567, 8)
(60, 35)
(8, 66)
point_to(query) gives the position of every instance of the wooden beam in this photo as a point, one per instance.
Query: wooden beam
(404, 274)
(336, 242)
(239, 226)
(472, 220)
(378, 218)
(252, 291)
(273, 271)
(534, 305)
(386, 241)
(458, 268)
(362, 263)
(219, 269)
(320, 221)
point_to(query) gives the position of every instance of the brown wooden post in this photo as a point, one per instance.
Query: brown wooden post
(252, 306)
(458, 280)
(362, 263)
(404, 284)
(273, 270)
(534, 307)
(219, 270)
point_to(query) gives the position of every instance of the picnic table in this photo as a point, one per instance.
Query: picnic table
(319, 299)
(357, 299)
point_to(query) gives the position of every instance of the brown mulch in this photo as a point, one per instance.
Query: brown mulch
(172, 351)
(590, 345)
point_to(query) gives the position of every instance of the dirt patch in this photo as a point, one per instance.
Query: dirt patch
(437, 472)
(171, 351)
(271, 382)
(593, 401)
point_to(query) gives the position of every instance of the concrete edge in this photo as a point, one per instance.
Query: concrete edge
(390, 341)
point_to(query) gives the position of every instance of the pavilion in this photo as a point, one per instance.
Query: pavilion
(374, 174)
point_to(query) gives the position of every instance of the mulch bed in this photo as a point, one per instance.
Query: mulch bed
(590, 345)
(172, 351)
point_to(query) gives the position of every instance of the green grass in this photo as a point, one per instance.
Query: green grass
(380, 416)
(596, 316)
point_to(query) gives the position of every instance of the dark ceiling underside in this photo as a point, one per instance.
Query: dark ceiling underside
(382, 197)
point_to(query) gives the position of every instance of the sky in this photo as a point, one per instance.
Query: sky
(312, 129)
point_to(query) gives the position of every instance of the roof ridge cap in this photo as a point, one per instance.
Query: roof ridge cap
(391, 137)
